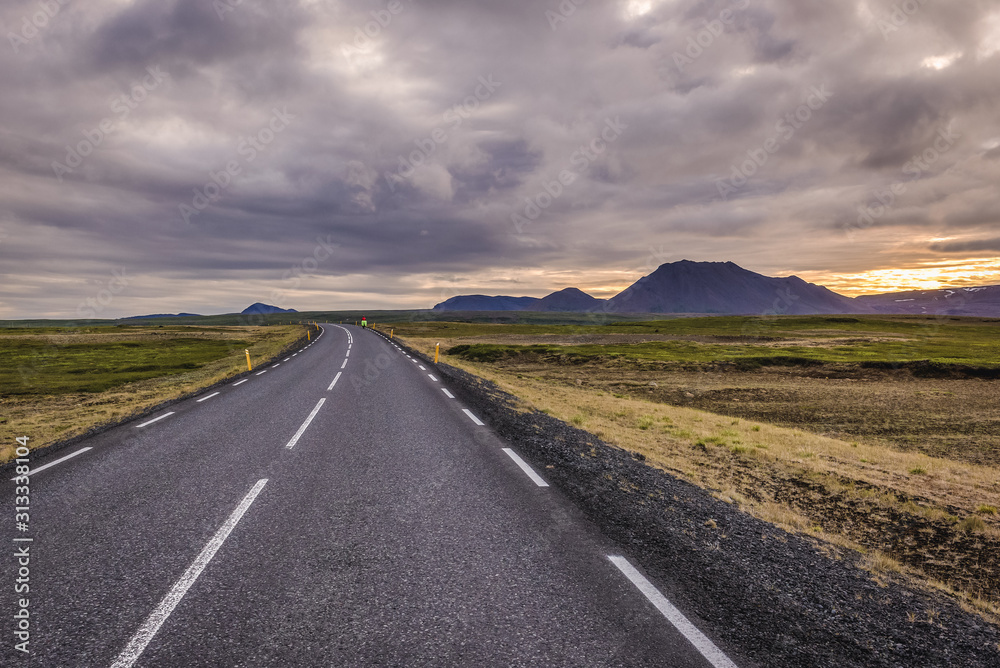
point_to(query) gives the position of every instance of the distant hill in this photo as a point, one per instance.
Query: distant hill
(725, 287)
(979, 301)
(259, 308)
(484, 303)
(569, 299)
(162, 315)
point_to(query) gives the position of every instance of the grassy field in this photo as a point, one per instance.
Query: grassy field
(745, 341)
(876, 434)
(59, 382)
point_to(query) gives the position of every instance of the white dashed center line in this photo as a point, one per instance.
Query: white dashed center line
(302, 429)
(240, 382)
(335, 379)
(344, 364)
(705, 646)
(422, 368)
(141, 639)
(260, 372)
(213, 394)
(447, 393)
(431, 376)
(156, 419)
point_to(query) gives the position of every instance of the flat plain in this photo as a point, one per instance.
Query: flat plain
(60, 382)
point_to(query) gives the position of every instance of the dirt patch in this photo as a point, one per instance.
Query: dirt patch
(953, 418)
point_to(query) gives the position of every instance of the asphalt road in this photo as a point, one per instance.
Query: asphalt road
(287, 522)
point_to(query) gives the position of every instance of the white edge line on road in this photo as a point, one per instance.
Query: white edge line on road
(473, 417)
(240, 382)
(344, 364)
(535, 478)
(213, 394)
(156, 419)
(276, 365)
(141, 639)
(286, 359)
(422, 367)
(61, 459)
(705, 647)
(447, 393)
(302, 429)
(431, 376)
(335, 379)
(260, 372)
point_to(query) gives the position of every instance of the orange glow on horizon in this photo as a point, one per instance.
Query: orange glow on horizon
(923, 276)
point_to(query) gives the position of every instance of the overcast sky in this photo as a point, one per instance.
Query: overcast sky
(191, 155)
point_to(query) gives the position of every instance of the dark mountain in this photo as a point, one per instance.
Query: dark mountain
(980, 301)
(162, 315)
(570, 299)
(724, 287)
(258, 308)
(484, 303)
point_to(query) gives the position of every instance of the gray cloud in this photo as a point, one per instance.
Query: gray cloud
(977, 245)
(363, 87)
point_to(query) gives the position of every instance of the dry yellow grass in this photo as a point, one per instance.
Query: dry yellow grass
(50, 418)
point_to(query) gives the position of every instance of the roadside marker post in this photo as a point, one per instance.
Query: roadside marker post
(437, 352)
(308, 336)
(249, 367)
(390, 334)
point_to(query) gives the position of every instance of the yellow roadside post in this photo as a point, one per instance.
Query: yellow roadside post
(437, 352)
(249, 368)
(308, 336)
(390, 333)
